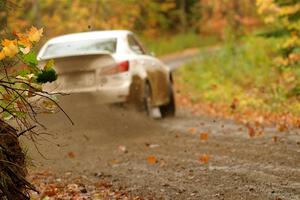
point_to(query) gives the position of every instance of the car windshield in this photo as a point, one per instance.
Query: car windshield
(83, 47)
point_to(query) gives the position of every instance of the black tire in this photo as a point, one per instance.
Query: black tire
(169, 110)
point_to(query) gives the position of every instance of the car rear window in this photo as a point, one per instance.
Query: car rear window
(82, 47)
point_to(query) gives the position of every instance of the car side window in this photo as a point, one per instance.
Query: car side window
(134, 45)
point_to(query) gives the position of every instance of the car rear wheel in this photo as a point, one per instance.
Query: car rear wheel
(169, 109)
(152, 111)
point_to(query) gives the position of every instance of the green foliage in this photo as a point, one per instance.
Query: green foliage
(30, 59)
(275, 33)
(284, 20)
(286, 2)
(246, 74)
(169, 44)
(21, 79)
(285, 25)
(45, 76)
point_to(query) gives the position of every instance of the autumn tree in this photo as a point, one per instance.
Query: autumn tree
(216, 15)
(148, 17)
(283, 18)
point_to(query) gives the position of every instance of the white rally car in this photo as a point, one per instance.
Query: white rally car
(113, 65)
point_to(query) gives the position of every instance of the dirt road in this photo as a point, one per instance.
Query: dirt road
(113, 143)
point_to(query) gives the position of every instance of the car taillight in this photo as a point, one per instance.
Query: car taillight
(118, 68)
(123, 66)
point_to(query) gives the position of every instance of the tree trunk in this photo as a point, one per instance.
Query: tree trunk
(36, 13)
(183, 17)
(3, 17)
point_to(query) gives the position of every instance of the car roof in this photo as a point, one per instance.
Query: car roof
(89, 35)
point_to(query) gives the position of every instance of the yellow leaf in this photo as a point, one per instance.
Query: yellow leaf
(2, 55)
(10, 47)
(34, 34)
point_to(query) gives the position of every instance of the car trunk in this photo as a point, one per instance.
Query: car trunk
(80, 73)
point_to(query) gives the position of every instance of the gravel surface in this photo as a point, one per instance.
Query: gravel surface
(163, 159)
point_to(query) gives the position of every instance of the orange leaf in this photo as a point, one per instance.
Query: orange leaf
(192, 130)
(204, 158)
(282, 127)
(203, 136)
(251, 131)
(51, 190)
(151, 160)
(23, 40)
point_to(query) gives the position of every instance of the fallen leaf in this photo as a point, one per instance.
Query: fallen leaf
(260, 120)
(192, 130)
(71, 155)
(114, 162)
(72, 188)
(282, 127)
(275, 138)
(251, 131)
(51, 190)
(163, 163)
(151, 160)
(122, 149)
(260, 133)
(153, 146)
(203, 136)
(234, 104)
(204, 158)
(214, 86)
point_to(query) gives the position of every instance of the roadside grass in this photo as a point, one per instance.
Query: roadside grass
(170, 44)
(243, 75)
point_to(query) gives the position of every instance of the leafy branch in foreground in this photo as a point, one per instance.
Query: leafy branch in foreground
(21, 78)
(21, 94)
